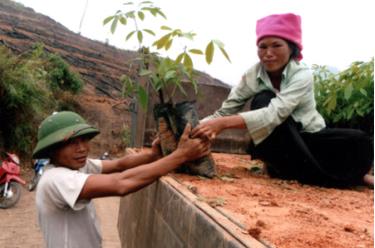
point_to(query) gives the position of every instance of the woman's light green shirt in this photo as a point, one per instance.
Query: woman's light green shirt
(295, 98)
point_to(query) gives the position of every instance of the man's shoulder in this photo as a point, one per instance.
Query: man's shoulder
(93, 166)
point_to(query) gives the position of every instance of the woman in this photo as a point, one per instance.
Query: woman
(287, 131)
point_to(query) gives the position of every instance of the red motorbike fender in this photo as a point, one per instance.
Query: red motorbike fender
(15, 178)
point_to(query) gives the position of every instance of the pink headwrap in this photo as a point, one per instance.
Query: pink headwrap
(286, 26)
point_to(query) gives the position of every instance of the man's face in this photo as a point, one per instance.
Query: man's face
(72, 153)
(274, 53)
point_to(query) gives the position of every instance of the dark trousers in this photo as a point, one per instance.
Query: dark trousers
(330, 157)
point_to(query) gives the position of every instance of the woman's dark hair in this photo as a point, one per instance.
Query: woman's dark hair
(295, 50)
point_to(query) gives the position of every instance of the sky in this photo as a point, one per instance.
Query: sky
(334, 32)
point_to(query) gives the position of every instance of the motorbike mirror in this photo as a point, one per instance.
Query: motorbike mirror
(14, 158)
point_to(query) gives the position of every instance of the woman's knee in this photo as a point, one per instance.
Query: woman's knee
(262, 99)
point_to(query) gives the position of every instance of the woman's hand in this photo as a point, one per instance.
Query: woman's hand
(208, 129)
(211, 128)
(192, 148)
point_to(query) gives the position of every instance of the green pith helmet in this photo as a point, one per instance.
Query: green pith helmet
(60, 127)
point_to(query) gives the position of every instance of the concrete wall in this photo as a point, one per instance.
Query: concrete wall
(167, 215)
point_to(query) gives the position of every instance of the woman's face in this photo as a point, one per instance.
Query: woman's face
(274, 53)
(73, 153)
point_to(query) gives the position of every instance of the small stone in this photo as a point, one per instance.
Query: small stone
(254, 232)
(348, 228)
(260, 223)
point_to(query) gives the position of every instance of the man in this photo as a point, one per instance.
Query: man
(66, 214)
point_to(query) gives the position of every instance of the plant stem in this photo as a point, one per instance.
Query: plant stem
(161, 97)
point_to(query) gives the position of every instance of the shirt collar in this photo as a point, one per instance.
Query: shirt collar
(262, 76)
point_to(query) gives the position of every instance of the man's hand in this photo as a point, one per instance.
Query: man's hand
(192, 148)
(156, 149)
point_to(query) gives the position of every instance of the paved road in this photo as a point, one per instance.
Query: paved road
(19, 228)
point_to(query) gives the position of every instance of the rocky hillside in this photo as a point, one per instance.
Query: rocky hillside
(100, 66)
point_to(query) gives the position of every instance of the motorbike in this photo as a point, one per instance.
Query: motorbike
(105, 156)
(39, 165)
(10, 180)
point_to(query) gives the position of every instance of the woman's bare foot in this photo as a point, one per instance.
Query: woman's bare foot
(369, 180)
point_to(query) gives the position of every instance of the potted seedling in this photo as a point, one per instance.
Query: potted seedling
(165, 76)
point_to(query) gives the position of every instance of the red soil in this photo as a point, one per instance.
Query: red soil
(286, 213)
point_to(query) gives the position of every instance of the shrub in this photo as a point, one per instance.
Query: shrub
(26, 94)
(60, 77)
(346, 99)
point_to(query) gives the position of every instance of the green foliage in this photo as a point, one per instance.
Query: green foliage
(346, 98)
(166, 73)
(60, 76)
(26, 95)
(160, 72)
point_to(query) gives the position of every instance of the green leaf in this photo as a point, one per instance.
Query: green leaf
(332, 103)
(218, 43)
(114, 24)
(169, 75)
(149, 31)
(189, 35)
(209, 52)
(145, 73)
(146, 2)
(225, 54)
(153, 11)
(140, 36)
(162, 41)
(181, 88)
(195, 85)
(142, 96)
(196, 51)
(156, 83)
(128, 86)
(129, 35)
(130, 14)
(123, 20)
(141, 15)
(188, 62)
(158, 11)
(108, 19)
(179, 58)
(128, 3)
(177, 32)
(168, 45)
(165, 28)
(363, 92)
(348, 91)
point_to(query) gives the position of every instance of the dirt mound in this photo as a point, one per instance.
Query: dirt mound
(285, 213)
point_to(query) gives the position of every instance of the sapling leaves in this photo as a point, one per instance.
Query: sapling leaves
(114, 24)
(160, 72)
(108, 19)
(129, 35)
(210, 52)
